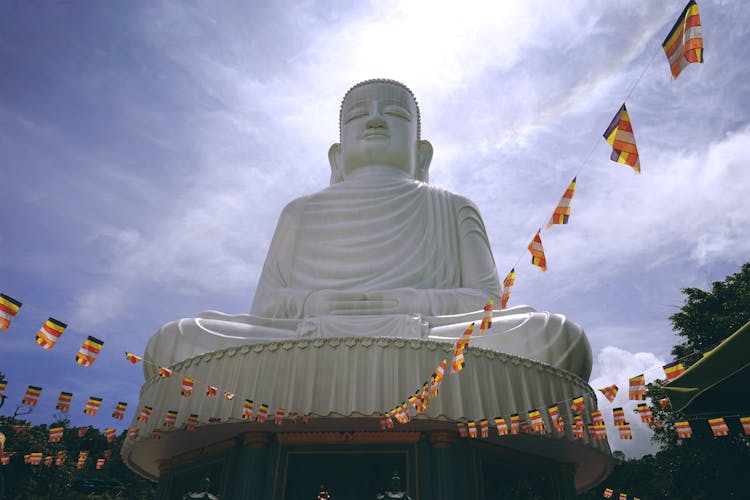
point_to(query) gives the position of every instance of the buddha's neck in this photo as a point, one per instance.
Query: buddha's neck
(377, 170)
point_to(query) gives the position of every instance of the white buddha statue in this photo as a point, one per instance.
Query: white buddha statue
(380, 252)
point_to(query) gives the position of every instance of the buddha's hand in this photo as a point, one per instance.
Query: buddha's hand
(350, 303)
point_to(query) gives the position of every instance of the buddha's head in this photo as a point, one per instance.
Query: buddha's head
(380, 126)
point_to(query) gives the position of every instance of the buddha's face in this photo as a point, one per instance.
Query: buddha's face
(379, 127)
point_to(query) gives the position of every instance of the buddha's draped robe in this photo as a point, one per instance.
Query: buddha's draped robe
(370, 234)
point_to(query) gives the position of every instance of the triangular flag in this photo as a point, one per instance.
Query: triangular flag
(537, 252)
(561, 213)
(620, 136)
(684, 43)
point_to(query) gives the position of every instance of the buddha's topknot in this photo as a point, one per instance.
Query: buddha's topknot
(388, 81)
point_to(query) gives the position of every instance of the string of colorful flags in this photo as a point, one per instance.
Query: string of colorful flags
(608, 492)
(682, 46)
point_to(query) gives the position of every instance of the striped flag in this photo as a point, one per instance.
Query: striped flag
(55, 434)
(100, 463)
(438, 378)
(228, 395)
(462, 431)
(664, 402)
(458, 362)
(110, 433)
(170, 418)
(619, 415)
(597, 418)
(598, 431)
(624, 430)
(48, 460)
(578, 426)
(577, 405)
(484, 427)
(472, 429)
(557, 421)
(35, 458)
(82, 457)
(155, 434)
(83, 430)
(247, 409)
(637, 390)
(92, 406)
(279, 418)
(515, 424)
(684, 43)
(502, 427)
(20, 428)
(192, 422)
(63, 401)
(62, 455)
(89, 351)
(119, 411)
(9, 307)
(133, 433)
(645, 412)
(187, 387)
(50, 331)
(537, 252)
(623, 496)
(608, 492)
(133, 358)
(165, 372)
(610, 392)
(537, 423)
(718, 427)
(31, 398)
(508, 282)
(673, 370)
(145, 414)
(620, 136)
(561, 213)
(3, 385)
(486, 318)
(211, 391)
(684, 431)
(262, 413)
(745, 421)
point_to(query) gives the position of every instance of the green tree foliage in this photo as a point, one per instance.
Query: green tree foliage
(708, 317)
(25, 481)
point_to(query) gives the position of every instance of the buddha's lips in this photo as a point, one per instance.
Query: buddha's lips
(379, 132)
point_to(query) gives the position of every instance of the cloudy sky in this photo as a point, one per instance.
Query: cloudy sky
(149, 147)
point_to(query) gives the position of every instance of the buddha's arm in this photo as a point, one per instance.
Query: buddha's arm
(273, 297)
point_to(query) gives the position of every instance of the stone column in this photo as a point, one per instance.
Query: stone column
(247, 478)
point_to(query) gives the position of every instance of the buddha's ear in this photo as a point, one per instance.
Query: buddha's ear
(424, 157)
(334, 158)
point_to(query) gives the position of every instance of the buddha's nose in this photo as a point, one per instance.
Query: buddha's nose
(376, 121)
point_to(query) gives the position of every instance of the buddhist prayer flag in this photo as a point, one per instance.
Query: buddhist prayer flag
(608, 493)
(110, 433)
(119, 412)
(624, 430)
(561, 213)
(49, 333)
(35, 458)
(155, 434)
(133, 358)
(145, 414)
(515, 424)
(462, 431)
(247, 409)
(684, 431)
(745, 421)
(610, 392)
(82, 457)
(578, 426)
(133, 433)
(536, 420)
(458, 351)
(484, 427)
(92, 406)
(684, 43)
(8, 309)
(537, 252)
(31, 398)
(619, 415)
(211, 391)
(557, 421)
(82, 431)
(89, 351)
(645, 412)
(597, 418)
(577, 405)
(437, 378)
(383, 424)
(48, 461)
(718, 427)
(664, 402)
(20, 428)
(279, 418)
(55, 434)
(486, 318)
(472, 429)
(598, 431)
(673, 370)
(262, 413)
(637, 390)
(508, 282)
(170, 418)
(5, 458)
(623, 496)
(60, 458)
(165, 372)
(63, 401)
(3, 385)
(187, 387)
(228, 395)
(526, 427)
(99, 463)
(502, 427)
(620, 136)
(192, 422)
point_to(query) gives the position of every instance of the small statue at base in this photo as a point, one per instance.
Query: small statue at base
(395, 490)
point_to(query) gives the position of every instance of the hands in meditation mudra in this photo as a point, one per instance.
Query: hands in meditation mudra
(380, 252)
